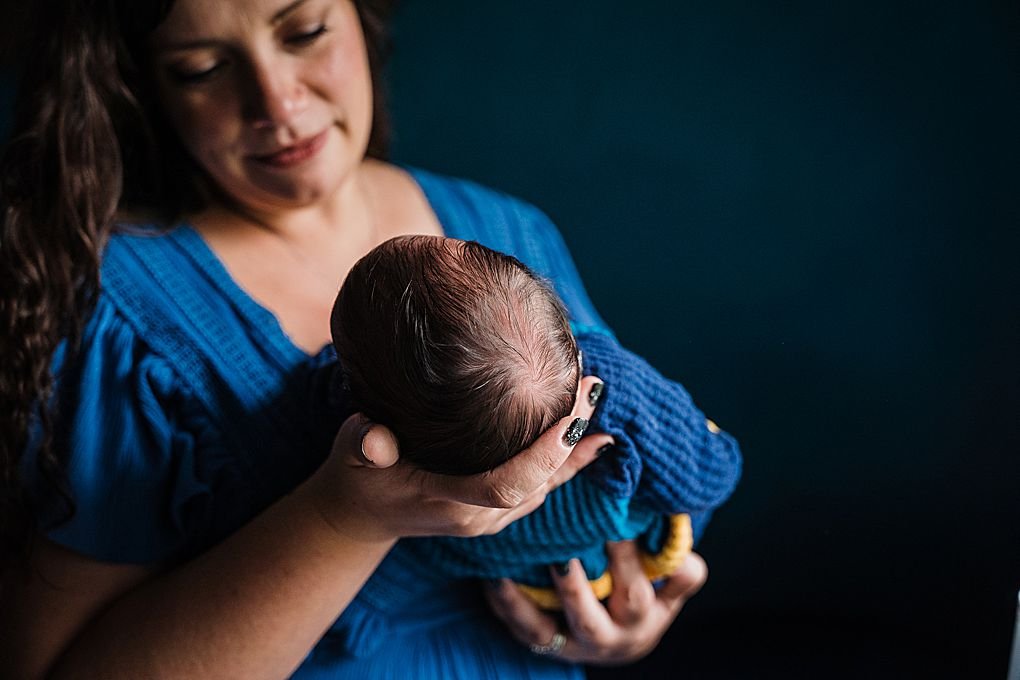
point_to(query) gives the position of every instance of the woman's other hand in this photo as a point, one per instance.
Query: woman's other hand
(366, 493)
(626, 628)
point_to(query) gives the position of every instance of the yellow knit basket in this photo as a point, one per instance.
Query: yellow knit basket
(678, 545)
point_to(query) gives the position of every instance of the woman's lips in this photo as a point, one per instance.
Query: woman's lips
(296, 153)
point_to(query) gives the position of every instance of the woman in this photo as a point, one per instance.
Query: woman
(199, 492)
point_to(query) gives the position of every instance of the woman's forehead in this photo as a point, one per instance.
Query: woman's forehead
(196, 20)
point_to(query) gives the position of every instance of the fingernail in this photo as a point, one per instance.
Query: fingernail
(595, 393)
(603, 450)
(562, 569)
(574, 432)
(365, 427)
(492, 583)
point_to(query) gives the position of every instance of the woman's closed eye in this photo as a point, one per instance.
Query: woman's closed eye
(195, 76)
(187, 75)
(302, 38)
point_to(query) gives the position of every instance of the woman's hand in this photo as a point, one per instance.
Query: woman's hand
(366, 493)
(626, 628)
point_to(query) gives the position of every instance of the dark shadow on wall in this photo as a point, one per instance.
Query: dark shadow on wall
(6, 103)
(808, 214)
(12, 19)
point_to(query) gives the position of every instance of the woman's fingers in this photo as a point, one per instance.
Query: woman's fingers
(532, 470)
(586, 451)
(684, 583)
(526, 622)
(633, 594)
(589, 393)
(628, 629)
(509, 484)
(500, 496)
(589, 622)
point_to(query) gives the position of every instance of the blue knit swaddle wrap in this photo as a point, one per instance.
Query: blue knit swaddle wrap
(666, 457)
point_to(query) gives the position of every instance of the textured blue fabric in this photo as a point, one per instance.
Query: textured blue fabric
(187, 413)
(132, 433)
(666, 456)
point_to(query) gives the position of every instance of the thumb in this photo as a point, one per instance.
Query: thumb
(685, 582)
(364, 443)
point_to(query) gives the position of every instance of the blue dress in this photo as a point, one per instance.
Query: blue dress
(187, 412)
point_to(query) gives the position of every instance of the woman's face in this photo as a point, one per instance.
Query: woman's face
(273, 98)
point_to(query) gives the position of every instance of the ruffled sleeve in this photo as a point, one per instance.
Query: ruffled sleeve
(130, 434)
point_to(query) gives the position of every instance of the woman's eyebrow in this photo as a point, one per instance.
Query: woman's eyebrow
(185, 45)
(282, 14)
(277, 17)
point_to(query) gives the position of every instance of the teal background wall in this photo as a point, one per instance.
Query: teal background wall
(807, 213)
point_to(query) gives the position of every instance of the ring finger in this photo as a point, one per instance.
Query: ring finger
(527, 623)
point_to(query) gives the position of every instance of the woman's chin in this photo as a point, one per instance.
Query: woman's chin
(296, 194)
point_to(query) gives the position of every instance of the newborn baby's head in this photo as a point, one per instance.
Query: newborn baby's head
(462, 351)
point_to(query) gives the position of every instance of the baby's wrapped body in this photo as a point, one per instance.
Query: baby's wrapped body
(468, 357)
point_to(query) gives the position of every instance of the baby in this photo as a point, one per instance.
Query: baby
(468, 357)
(461, 351)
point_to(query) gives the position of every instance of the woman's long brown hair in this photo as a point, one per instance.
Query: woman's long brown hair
(88, 144)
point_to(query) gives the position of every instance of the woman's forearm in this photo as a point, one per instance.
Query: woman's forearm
(251, 607)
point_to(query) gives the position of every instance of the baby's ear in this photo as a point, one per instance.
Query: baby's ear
(338, 392)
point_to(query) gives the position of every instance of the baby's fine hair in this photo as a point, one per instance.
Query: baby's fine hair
(462, 351)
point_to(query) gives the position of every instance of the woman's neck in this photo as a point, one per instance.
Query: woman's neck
(345, 216)
(293, 262)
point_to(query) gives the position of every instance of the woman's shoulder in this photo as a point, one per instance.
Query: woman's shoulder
(118, 332)
(159, 294)
(141, 277)
(470, 210)
(413, 200)
(463, 192)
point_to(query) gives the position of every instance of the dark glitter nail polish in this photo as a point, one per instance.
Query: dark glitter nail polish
(563, 568)
(574, 432)
(595, 393)
(603, 450)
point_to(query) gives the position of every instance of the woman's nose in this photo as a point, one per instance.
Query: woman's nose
(277, 96)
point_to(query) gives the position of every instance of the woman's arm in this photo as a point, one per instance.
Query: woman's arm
(254, 605)
(250, 607)
(43, 604)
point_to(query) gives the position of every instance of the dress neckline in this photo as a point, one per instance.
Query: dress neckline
(264, 323)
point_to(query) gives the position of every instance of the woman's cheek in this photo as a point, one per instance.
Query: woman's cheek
(203, 127)
(344, 70)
